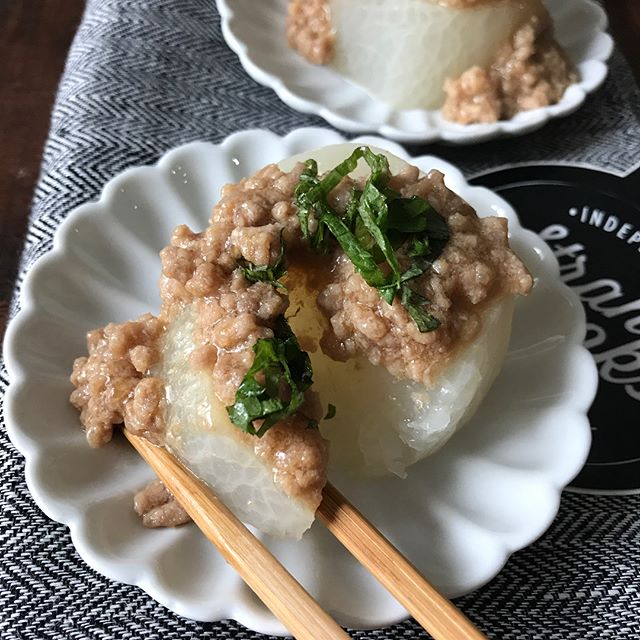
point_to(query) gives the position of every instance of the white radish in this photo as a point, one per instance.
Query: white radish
(402, 51)
(198, 431)
(384, 424)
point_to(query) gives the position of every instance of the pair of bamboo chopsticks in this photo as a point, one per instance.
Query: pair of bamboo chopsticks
(277, 588)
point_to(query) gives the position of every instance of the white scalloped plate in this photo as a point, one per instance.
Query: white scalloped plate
(255, 32)
(491, 490)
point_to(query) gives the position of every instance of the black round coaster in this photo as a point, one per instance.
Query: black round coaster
(591, 220)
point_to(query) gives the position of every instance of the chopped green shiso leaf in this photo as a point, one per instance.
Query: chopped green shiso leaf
(377, 222)
(264, 272)
(273, 388)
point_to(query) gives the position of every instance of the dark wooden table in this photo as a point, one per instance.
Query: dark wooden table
(34, 38)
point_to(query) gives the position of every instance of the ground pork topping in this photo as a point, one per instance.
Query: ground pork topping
(157, 507)
(253, 221)
(309, 30)
(298, 455)
(476, 268)
(107, 381)
(250, 221)
(530, 71)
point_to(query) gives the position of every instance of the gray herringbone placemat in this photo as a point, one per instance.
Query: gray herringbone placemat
(146, 75)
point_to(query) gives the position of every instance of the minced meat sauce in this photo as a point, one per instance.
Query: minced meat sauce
(309, 30)
(114, 385)
(157, 507)
(476, 268)
(529, 71)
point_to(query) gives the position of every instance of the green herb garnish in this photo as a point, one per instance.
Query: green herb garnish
(377, 222)
(273, 388)
(331, 413)
(414, 303)
(265, 272)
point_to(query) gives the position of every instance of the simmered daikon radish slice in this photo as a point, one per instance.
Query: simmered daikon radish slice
(221, 378)
(386, 422)
(402, 51)
(255, 477)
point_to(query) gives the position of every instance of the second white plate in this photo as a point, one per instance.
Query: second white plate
(255, 32)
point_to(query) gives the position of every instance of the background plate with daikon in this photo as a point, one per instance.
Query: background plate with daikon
(255, 32)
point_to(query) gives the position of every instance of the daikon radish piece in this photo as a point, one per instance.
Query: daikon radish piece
(385, 424)
(402, 51)
(199, 432)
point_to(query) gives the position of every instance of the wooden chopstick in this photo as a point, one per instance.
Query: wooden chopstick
(272, 583)
(276, 587)
(440, 617)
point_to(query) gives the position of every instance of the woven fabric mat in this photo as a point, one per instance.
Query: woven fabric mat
(146, 75)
